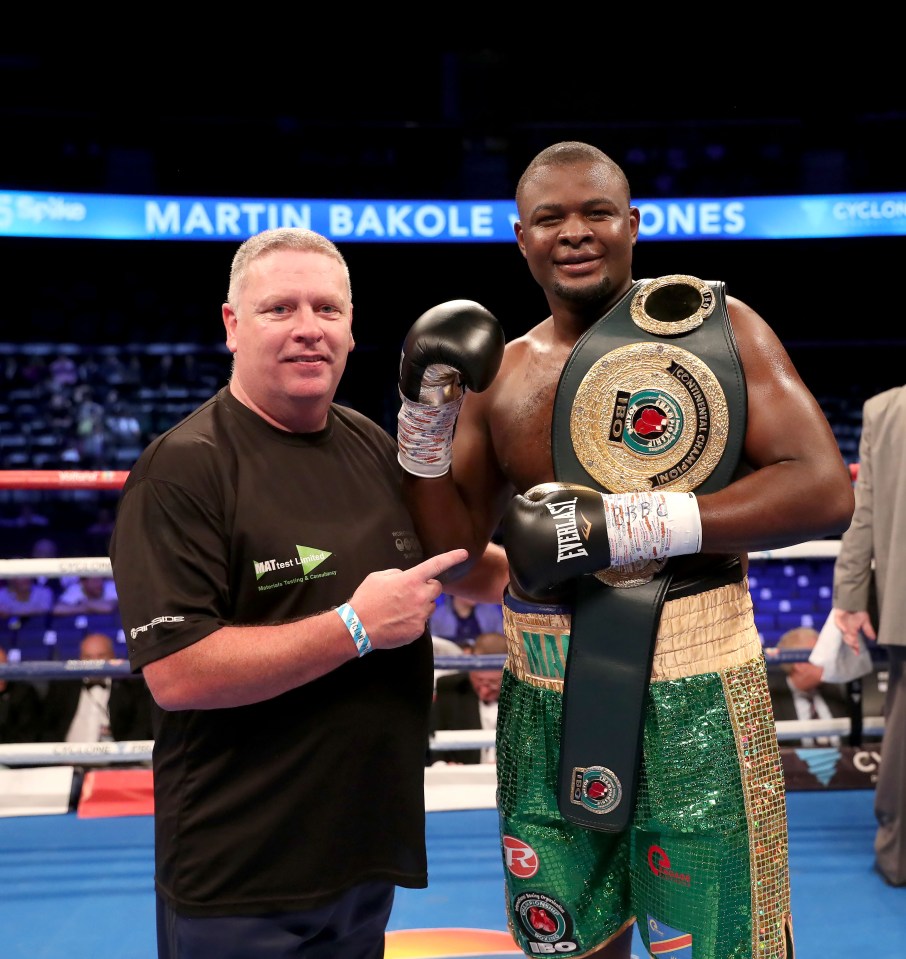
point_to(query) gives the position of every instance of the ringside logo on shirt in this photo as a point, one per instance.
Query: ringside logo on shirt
(155, 622)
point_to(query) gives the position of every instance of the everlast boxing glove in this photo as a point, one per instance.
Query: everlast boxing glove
(558, 531)
(453, 346)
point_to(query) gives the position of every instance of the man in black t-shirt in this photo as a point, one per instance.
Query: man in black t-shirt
(261, 549)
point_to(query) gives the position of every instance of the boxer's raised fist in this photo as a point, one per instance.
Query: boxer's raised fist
(460, 335)
(451, 347)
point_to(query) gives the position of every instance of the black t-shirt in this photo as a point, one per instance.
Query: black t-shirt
(279, 805)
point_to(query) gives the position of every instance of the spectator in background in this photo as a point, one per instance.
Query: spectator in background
(445, 647)
(59, 414)
(799, 692)
(48, 548)
(96, 710)
(45, 548)
(121, 422)
(98, 533)
(20, 710)
(461, 620)
(23, 596)
(113, 371)
(63, 373)
(33, 370)
(91, 594)
(26, 519)
(468, 700)
(868, 570)
(91, 430)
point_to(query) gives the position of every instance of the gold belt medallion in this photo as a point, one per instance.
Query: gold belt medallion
(671, 305)
(649, 415)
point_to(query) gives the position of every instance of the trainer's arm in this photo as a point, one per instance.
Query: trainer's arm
(799, 488)
(238, 665)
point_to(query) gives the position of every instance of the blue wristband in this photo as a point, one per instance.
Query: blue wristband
(356, 629)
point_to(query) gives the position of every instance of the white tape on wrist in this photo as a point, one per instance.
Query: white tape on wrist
(424, 436)
(356, 629)
(651, 525)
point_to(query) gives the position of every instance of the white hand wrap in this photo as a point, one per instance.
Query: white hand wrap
(651, 525)
(425, 430)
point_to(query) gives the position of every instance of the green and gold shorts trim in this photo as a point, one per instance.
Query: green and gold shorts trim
(703, 868)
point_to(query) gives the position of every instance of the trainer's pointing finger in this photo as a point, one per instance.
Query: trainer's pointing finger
(436, 565)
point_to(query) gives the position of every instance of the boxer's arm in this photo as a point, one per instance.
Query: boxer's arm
(485, 580)
(797, 486)
(453, 346)
(450, 356)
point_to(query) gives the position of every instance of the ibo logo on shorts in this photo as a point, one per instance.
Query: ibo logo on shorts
(545, 922)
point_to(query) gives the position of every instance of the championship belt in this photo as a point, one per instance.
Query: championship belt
(652, 397)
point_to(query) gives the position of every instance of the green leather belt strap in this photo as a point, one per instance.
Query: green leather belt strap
(614, 628)
(604, 693)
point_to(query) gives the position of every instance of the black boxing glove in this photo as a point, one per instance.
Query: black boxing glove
(558, 531)
(453, 346)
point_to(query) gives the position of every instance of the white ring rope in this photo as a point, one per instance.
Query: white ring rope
(74, 566)
(39, 670)
(47, 754)
(100, 565)
(65, 754)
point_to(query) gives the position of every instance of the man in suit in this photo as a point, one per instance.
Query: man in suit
(798, 690)
(20, 710)
(468, 700)
(97, 710)
(871, 557)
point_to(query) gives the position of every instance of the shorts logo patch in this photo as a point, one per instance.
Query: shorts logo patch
(667, 942)
(597, 788)
(659, 864)
(544, 920)
(521, 860)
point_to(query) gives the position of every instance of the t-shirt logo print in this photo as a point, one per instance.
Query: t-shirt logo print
(308, 557)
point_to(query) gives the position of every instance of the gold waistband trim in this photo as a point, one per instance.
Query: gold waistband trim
(704, 633)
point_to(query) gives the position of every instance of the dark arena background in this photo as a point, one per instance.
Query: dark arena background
(105, 343)
(446, 126)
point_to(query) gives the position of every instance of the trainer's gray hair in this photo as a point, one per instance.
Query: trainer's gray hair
(281, 238)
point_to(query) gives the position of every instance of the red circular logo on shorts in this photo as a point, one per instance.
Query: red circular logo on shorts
(658, 860)
(520, 858)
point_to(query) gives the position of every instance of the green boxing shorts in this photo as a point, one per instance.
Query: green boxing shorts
(703, 868)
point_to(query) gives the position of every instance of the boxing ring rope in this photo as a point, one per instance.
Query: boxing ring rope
(140, 751)
(62, 479)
